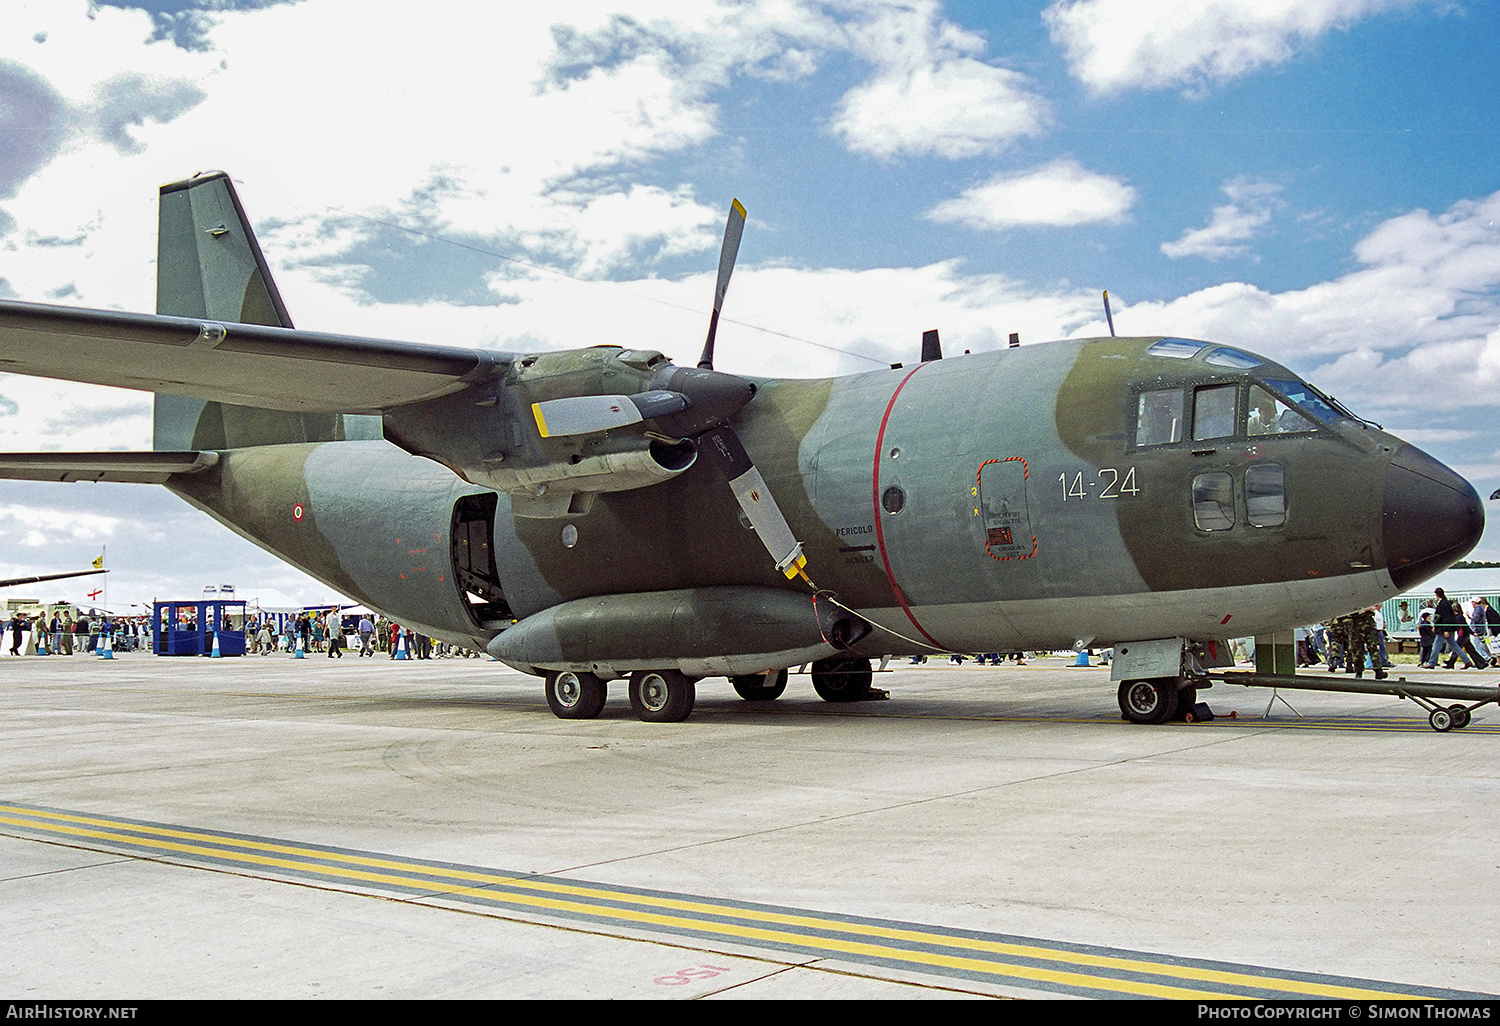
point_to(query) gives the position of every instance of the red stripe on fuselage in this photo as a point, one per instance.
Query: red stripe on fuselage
(879, 532)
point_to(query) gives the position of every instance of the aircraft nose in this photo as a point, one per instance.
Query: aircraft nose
(1432, 517)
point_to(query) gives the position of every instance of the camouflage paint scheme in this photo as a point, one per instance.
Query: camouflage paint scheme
(1028, 515)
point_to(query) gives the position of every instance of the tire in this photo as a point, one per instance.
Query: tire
(1148, 701)
(842, 679)
(1460, 716)
(575, 696)
(1440, 720)
(662, 696)
(759, 687)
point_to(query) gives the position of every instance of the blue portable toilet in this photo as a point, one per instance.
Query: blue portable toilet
(187, 627)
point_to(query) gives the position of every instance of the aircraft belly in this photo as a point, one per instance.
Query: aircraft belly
(1104, 620)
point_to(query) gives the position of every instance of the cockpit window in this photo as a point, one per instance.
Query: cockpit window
(1226, 357)
(1271, 416)
(1177, 348)
(1213, 411)
(1159, 417)
(1307, 398)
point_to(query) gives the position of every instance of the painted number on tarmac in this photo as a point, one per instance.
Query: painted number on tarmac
(685, 976)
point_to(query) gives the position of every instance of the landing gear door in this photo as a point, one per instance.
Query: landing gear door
(1001, 507)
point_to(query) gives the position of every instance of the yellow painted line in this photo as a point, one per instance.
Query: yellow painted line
(1192, 973)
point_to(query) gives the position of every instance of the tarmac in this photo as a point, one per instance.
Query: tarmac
(276, 828)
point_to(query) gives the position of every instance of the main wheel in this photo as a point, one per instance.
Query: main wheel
(760, 687)
(841, 679)
(575, 696)
(662, 696)
(1148, 701)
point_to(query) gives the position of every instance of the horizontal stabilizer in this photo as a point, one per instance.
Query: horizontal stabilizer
(127, 467)
(247, 364)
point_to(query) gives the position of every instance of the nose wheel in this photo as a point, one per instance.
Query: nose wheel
(1148, 701)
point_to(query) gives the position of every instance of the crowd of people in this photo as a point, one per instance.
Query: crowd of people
(331, 632)
(65, 634)
(1357, 641)
(321, 631)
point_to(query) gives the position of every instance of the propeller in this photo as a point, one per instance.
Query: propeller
(695, 404)
(734, 228)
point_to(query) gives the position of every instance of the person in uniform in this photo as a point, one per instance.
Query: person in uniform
(1364, 640)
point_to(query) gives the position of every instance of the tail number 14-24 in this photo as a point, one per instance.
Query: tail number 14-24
(1113, 485)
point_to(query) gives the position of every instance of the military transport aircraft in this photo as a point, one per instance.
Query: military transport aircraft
(601, 513)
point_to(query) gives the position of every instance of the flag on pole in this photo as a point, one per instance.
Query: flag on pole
(99, 563)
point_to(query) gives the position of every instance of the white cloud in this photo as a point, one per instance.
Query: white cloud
(1231, 226)
(930, 95)
(1424, 311)
(1113, 45)
(1060, 194)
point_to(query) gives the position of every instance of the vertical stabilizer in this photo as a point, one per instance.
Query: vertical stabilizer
(209, 265)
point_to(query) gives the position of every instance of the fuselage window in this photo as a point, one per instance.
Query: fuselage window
(1271, 416)
(1213, 501)
(1159, 417)
(893, 500)
(1213, 411)
(1265, 495)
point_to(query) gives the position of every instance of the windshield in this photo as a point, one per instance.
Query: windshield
(1311, 401)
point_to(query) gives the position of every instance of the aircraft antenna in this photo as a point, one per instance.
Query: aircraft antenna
(1109, 316)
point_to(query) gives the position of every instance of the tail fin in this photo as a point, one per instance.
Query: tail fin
(209, 265)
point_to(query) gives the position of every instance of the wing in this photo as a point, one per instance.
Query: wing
(48, 577)
(247, 364)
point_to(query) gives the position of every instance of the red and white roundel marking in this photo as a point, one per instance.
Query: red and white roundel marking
(297, 512)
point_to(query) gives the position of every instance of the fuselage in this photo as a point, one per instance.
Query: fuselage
(1082, 491)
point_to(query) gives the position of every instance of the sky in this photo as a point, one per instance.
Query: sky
(1314, 180)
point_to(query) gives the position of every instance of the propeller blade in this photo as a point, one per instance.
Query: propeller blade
(727, 453)
(732, 232)
(586, 414)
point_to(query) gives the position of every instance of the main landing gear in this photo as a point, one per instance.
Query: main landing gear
(668, 696)
(656, 696)
(760, 687)
(842, 678)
